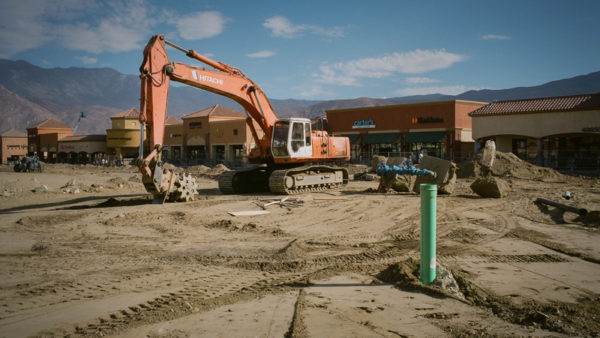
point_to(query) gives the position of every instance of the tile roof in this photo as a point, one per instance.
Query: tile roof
(544, 104)
(130, 113)
(97, 137)
(13, 133)
(173, 120)
(50, 124)
(216, 110)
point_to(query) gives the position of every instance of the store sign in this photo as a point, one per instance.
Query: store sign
(363, 124)
(591, 130)
(430, 119)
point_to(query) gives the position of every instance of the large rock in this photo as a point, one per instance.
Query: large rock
(490, 187)
(403, 183)
(446, 175)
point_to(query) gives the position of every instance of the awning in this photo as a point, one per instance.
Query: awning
(353, 137)
(380, 138)
(425, 137)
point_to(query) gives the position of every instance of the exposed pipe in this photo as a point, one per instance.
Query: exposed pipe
(580, 211)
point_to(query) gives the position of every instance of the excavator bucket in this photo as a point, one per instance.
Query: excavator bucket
(166, 185)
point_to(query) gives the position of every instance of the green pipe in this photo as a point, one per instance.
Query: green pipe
(428, 219)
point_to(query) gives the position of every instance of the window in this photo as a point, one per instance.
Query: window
(195, 124)
(235, 131)
(307, 133)
(280, 135)
(297, 136)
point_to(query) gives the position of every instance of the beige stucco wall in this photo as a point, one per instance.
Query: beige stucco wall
(535, 125)
(124, 123)
(123, 138)
(221, 132)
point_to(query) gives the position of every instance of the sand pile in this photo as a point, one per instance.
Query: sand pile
(507, 165)
(199, 170)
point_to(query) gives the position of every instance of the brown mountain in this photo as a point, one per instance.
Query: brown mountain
(17, 112)
(31, 94)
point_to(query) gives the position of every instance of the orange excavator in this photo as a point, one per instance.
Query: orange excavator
(289, 154)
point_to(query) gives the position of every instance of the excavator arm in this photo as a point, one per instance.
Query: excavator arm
(156, 73)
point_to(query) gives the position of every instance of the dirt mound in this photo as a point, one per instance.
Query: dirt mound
(507, 165)
(405, 276)
(204, 171)
(291, 251)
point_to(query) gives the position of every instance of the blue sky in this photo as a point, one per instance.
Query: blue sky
(322, 49)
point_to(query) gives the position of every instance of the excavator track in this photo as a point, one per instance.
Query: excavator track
(283, 181)
(307, 179)
(244, 180)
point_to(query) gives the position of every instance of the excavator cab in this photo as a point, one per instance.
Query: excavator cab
(292, 138)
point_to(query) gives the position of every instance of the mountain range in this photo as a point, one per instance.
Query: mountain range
(30, 94)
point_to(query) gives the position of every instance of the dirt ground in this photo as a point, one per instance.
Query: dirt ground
(91, 256)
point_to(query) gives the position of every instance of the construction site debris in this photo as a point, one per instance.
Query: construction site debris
(41, 188)
(286, 202)
(490, 187)
(508, 165)
(564, 207)
(248, 212)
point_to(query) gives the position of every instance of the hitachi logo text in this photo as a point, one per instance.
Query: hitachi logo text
(206, 78)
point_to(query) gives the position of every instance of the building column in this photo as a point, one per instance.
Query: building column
(539, 160)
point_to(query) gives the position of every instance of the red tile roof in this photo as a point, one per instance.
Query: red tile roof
(173, 120)
(50, 124)
(13, 133)
(544, 104)
(130, 113)
(216, 110)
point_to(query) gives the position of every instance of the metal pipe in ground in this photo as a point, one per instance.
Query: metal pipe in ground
(428, 232)
(580, 211)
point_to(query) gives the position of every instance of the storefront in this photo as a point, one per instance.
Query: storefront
(441, 129)
(217, 135)
(81, 149)
(558, 132)
(13, 145)
(42, 138)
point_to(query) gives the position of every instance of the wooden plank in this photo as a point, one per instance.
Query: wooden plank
(330, 198)
(248, 212)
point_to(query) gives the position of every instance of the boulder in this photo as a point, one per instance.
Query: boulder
(490, 186)
(446, 174)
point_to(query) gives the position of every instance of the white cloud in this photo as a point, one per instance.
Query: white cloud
(86, 60)
(495, 37)
(448, 90)
(94, 27)
(20, 26)
(262, 54)
(413, 62)
(282, 27)
(419, 80)
(111, 26)
(201, 25)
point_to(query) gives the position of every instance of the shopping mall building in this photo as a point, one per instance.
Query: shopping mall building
(441, 129)
(559, 132)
